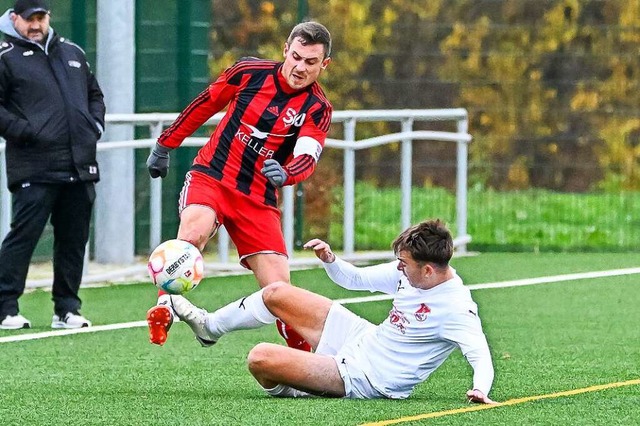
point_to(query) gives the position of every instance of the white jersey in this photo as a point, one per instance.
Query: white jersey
(422, 329)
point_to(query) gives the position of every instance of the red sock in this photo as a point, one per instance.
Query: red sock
(293, 339)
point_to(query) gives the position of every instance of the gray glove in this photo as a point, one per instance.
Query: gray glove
(273, 171)
(158, 161)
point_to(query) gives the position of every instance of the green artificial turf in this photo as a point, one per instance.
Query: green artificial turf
(545, 339)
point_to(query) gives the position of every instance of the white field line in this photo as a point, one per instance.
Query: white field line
(56, 333)
(501, 284)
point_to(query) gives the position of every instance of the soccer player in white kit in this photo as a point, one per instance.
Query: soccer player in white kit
(432, 314)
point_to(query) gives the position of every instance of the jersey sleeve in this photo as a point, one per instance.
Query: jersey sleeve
(310, 143)
(316, 125)
(383, 277)
(465, 330)
(299, 169)
(212, 100)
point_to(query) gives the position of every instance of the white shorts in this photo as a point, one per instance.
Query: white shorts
(340, 338)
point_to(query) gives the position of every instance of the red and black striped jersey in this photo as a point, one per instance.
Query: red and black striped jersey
(265, 119)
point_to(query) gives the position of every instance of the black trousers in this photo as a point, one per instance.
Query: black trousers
(69, 206)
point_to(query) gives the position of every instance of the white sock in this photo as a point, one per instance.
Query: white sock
(286, 391)
(243, 314)
(164, 299)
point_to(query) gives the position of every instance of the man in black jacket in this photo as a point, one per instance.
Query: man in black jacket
(51, 116)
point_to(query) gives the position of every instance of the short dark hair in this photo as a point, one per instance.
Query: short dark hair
(429, 241)
(312, 33)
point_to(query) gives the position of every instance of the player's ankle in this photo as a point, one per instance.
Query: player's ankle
(164, 299)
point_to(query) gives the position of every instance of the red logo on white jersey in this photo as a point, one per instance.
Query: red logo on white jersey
(398, 319)
(421, 313)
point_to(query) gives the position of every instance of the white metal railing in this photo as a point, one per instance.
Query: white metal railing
(349, 119)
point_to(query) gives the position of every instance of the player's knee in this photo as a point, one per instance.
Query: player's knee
(259, 359)
(274, 293)
(194, 238)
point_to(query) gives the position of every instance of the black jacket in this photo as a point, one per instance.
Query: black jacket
(51, 111)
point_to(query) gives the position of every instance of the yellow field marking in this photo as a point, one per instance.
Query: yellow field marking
(503, 404)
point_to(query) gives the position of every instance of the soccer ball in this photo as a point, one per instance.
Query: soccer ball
(176, 266)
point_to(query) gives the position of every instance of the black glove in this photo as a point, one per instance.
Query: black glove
(158, 161)
(273, 171)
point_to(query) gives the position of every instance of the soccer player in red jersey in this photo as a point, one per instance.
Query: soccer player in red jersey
(272, 135)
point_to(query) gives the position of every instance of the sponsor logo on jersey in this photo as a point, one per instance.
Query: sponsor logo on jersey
(256, 138)
(291, 117)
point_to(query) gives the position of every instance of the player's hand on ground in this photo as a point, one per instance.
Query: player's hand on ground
(158, 161)
(322, 250)
(477, 397)
(273, 171)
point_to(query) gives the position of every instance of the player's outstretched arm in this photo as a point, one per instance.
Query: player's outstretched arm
(478, 397)
(321, 249)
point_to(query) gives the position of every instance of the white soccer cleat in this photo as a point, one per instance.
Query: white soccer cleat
(69, 321)
(195, 318)
(14, 322)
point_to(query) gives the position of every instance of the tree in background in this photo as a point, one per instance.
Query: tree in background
(616, 100)
(551, 86)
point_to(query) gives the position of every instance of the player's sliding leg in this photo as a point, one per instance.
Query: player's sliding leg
(270, 268)
(316, 374)
(302, 309)
(243, 314)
